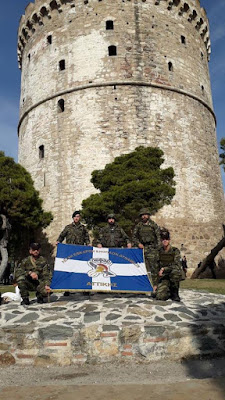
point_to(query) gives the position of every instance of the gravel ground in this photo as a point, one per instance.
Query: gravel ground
(112, 374)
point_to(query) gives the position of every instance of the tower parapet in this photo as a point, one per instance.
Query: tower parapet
(37, 13)
(100, 78)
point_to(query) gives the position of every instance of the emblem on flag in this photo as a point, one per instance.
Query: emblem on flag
(100, 267)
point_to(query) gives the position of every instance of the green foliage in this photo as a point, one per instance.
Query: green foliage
(222, 155)
(130, 182)
(20, 202)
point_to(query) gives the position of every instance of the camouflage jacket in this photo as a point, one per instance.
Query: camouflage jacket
(74, 234)
(169, 260)
(147, 234)
(113, 236)
(39, 266)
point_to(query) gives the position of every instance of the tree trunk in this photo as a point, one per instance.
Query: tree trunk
(209, 259)
(4, 262)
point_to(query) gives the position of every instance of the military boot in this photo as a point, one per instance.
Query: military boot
(174, 295)
(40, 299)
(25, 301)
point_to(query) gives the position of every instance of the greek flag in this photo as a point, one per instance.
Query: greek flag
(81, 268)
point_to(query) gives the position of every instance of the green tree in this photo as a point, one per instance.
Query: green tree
(222, 155)
(130, 182)
(21, 203)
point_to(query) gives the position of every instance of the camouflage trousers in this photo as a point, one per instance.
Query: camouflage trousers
(30, 285)
(151, 262)
(168, 284)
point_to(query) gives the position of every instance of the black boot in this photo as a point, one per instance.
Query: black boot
(25, 301)
(174, 295)
(40, 299)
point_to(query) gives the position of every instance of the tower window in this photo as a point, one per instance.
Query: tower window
(61, 105)
(183, 39)
(170, 66)
(41, 151)
(62, 65)
(49, 39)
(112, 50)
(109, 25)
(203, 89)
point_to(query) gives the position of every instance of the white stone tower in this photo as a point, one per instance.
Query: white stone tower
(101, 77)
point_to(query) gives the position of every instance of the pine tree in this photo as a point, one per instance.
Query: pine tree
(130, 182)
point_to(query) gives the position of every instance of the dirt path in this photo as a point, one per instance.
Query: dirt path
(208, 389)
(192, 380)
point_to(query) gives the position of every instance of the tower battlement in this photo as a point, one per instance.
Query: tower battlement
(37, 15)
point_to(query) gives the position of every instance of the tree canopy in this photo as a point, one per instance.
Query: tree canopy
(20, 202)
(130, 182)
(222, 155)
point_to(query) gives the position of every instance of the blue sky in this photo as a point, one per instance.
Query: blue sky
(11, 11)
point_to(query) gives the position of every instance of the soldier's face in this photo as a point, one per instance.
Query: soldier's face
(76, 218)
(145, 217)
(165, 243)
(34, 253)
(111, 221)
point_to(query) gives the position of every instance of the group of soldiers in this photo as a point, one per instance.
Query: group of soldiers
(163, 262)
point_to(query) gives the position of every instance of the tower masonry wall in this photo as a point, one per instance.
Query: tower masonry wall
(90, 93)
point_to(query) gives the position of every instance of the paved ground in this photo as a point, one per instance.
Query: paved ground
(192, 380)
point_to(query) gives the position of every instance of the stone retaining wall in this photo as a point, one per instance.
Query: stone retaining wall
(104, 328)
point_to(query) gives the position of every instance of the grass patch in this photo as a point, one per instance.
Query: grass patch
(209, 285)
(10, 288)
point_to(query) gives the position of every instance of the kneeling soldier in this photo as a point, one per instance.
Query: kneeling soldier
(33, 274)
(170, 270)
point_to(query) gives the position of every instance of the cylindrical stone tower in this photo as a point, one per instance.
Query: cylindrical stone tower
(101, 77)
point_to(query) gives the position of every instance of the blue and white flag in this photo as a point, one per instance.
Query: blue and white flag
(80, 268)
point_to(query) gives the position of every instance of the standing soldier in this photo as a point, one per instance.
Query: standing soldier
(170, 270)
(33, 274)
(75, 233)
(146, 236)
(112, 235)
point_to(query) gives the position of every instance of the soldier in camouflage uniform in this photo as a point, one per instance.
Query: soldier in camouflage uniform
(33, 274)
(170, 270)
(75, 233)
(112, 235)
(146, 236)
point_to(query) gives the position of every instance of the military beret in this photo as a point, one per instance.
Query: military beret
(164, 234)
(75, 213)
(35, 246)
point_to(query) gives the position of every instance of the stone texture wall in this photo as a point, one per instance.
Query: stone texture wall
(154, 92)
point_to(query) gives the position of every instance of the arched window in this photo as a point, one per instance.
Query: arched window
(112, 50)
(61, 105)
(41, 152)
(183, 39)
(49, 39)
(170, 66)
